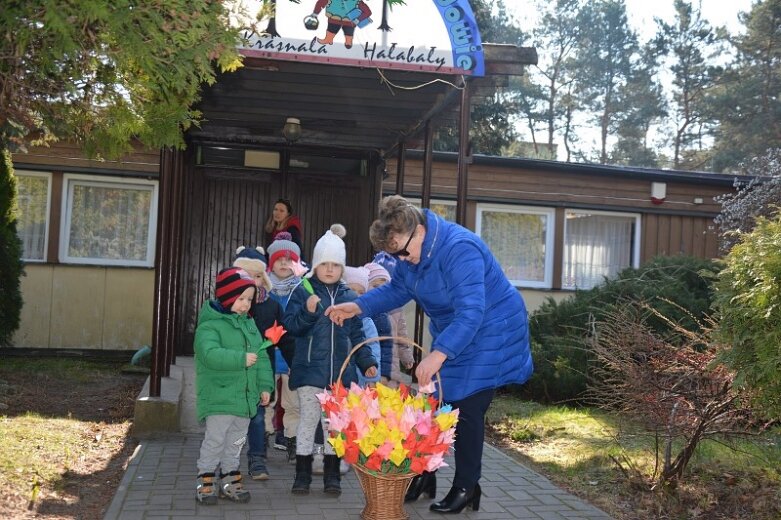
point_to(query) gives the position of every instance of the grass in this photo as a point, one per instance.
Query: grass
(63, 429)
(574, 448)
(48, 447)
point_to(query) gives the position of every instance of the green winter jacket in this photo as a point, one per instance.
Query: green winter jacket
(223, 383)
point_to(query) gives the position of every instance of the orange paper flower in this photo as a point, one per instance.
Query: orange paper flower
(386, 430)
(275, 333)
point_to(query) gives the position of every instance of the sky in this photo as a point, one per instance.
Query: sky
(642, 12)
(641, 16)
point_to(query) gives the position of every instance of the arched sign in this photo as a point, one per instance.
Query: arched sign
(418, 35)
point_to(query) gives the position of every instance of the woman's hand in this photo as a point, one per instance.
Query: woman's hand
(429, 366)
(343, 311)
(265, 397)
(251, 359)
(370, 372)
(311, 303)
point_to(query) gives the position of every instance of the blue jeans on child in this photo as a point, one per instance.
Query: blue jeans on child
(256, 442)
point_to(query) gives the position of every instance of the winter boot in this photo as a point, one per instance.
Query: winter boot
(231, 488)
(206, 490)
(291, 449)
(257, 468)
(280, 442)
(303, 475)
(332, 477)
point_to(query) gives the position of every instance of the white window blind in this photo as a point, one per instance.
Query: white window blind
(32, 226)
(597, 246)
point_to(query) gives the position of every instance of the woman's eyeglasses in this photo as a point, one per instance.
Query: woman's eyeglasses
(403, 251)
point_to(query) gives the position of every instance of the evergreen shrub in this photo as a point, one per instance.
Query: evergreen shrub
(11, 267)
(679, 288)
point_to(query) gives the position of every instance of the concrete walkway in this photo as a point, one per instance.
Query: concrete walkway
(160, 485)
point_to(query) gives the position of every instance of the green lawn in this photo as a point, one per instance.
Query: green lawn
(576, 448)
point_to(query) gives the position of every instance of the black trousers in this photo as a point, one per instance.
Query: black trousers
(470, 433)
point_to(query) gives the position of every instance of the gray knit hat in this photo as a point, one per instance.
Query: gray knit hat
(282, 247)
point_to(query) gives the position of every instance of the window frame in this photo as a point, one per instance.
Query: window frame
(444, 202)
(70, 181)
(49, 176)
(550, 239)
(580, 211)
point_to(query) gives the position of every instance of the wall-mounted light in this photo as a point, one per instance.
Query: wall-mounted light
(292, 129)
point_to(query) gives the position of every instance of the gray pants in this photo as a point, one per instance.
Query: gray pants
(222, 443)
(307, 424)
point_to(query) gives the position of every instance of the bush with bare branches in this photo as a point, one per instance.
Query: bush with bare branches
(672, 389)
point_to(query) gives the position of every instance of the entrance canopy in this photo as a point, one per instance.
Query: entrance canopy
(342, 106)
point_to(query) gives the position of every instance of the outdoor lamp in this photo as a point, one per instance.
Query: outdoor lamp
(292, 129)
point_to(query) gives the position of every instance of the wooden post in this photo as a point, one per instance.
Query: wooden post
(464, 155)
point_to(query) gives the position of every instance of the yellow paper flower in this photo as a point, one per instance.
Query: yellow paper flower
(388, 430)
(367, 445)
(398, 454)
(338, 444)
(445, 421)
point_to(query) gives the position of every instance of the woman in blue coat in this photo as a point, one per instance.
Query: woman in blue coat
(478, 324)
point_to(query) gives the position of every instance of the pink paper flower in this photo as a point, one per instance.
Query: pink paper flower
(388, 430)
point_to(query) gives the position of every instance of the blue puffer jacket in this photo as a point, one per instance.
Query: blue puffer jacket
(322, 346)
(477, 318)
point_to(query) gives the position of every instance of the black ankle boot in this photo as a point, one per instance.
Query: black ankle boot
(457, 499)
(332, 478)
(426, 482)
(303, 475)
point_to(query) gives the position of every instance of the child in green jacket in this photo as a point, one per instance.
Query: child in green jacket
(230, 379)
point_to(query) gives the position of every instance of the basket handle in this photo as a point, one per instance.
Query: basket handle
(400, 339)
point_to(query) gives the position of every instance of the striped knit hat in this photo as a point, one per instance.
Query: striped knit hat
(231, 282)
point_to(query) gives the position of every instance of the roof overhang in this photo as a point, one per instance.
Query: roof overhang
(340, 106)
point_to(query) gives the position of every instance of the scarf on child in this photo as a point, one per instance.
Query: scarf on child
(283, 286)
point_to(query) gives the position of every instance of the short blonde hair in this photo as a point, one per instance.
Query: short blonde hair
(397, 216)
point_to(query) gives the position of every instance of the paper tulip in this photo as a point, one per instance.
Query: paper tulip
(388, 430)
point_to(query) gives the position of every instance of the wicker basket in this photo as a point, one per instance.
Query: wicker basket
(384, 492)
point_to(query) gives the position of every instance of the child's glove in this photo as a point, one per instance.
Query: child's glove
(251, 359)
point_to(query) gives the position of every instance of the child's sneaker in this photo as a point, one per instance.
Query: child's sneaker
(257, 468)
(280, 442)
(317, 460)
(206, 490)
(231, 488)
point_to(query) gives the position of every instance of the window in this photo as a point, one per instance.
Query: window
(33, 198)
(108, 222)
(598, 245)
(444, 208)
(521, 238)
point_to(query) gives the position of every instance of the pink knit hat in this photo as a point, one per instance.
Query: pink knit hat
(356, 275)
(377, 271)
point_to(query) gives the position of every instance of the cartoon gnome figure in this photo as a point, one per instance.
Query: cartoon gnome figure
(344, 15)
